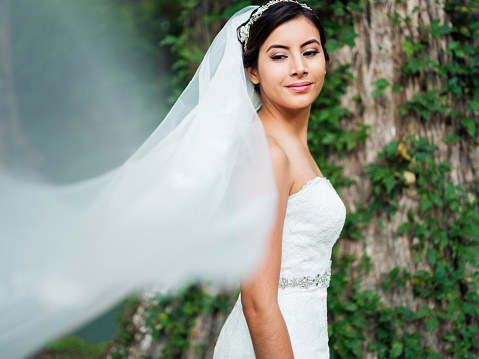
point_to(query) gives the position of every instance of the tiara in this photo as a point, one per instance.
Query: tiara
(243, 34)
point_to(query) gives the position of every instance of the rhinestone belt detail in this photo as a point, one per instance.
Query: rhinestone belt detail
(320, 280)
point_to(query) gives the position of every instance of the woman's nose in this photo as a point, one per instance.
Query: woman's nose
(298, 66)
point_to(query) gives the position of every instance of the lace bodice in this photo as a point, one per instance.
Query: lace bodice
(314, 218)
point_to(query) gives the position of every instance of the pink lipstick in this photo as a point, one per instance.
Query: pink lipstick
(299, 86)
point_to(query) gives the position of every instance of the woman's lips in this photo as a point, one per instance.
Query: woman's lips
(300, 86)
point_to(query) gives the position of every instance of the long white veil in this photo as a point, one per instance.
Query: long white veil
(197, 199)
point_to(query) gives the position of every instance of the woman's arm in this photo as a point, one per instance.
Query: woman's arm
(259, 296)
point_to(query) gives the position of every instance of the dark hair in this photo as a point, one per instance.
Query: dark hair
(273, 17)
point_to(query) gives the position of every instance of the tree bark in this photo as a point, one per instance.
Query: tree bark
(378, 54)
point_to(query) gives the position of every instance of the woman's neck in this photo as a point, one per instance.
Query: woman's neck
(286, 124)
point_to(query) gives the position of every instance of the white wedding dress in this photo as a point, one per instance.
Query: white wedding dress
(314, 218)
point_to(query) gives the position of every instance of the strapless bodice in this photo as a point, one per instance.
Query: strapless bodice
(314, 218)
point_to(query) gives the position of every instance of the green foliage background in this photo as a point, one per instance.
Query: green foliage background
(446, 233)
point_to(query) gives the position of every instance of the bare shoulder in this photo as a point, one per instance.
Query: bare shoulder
(279, 158)
(281, 165)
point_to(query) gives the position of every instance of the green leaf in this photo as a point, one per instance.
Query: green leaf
(425, 204)
(454, 45)
(470, 125)
(431, 256)
(332, 45)
(353, 6)
(410, 215)
(423, 312)
(386, 285)
(404, 228)
(396, 349)
(449, 338)
(436, 200)
(436, 31)
(431, 324)
(451, 138)
(405, 312)
(381, 84)
(394, 273)
(408, 48)
(351, 307)
(348, 38)
(460, 53)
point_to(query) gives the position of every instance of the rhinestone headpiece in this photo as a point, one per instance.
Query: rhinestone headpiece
(243, 34)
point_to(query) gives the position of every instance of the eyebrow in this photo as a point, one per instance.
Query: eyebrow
(287, 48)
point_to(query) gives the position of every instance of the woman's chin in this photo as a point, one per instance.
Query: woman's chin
(300, 103)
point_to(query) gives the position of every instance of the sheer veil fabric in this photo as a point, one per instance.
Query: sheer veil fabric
(197, 199)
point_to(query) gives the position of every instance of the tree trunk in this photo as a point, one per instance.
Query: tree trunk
(379, 54)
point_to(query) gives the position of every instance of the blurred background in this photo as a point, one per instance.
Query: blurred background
(87, 82)
(395, 129)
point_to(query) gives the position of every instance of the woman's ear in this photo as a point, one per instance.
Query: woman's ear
(253, 75)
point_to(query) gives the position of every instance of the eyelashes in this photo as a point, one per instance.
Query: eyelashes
(309, 53)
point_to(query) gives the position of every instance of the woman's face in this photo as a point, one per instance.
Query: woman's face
(291, 65)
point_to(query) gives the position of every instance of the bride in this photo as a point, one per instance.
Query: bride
(281, 310)
(218, 190)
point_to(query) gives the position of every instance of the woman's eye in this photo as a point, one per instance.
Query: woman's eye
(311, 53)
(278, 57)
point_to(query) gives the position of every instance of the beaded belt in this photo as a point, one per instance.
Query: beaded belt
(320, 280)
